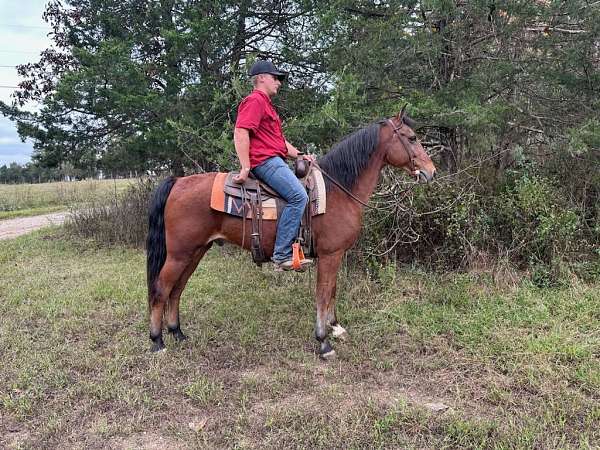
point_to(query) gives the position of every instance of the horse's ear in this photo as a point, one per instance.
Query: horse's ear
(401, 113)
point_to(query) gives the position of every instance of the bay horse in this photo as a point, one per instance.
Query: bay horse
(182, 226)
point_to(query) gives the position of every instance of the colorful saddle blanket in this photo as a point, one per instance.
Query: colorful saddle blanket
(228, 197)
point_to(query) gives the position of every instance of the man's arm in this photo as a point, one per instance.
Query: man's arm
(241, 141)
(293, 152)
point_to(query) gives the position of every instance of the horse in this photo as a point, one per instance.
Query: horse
(182, 226)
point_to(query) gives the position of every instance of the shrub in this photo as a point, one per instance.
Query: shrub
(527, 220)
(537, 222)
(121, 221)
(437, 226)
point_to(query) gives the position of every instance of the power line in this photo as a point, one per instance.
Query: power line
(19, 51)
(8, 87)
(25, 26)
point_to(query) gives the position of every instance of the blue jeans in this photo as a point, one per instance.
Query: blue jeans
(277, 174)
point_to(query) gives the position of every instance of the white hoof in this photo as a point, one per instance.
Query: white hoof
(339, 332)
(329, 356)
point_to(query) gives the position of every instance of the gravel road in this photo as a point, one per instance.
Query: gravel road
(12, 228)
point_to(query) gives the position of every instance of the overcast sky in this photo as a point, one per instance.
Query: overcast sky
(23, 35)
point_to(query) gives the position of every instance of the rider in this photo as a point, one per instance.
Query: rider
(261, 148)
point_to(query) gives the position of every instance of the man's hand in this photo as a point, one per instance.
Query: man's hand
(307, 157)
(242, 176)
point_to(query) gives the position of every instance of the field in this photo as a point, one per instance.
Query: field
(21, 200)
(434, 361)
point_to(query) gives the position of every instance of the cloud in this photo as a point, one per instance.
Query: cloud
(11, 147)
(23, 13)
(23, 35)
(16, 151)
(18, 48)
(6, 140)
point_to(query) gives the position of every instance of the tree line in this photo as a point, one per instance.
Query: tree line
(14, 173)
(33, 172)
(505, 93)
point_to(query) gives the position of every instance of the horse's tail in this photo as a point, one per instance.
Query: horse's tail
(156, 247)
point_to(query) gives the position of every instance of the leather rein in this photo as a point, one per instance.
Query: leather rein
(350, 194)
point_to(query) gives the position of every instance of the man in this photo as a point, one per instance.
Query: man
(261, 148)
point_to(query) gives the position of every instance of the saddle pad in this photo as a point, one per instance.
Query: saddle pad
(223, 201)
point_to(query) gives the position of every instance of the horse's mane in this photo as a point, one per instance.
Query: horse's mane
(348, 158)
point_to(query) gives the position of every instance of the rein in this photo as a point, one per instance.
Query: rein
(354, 197)
(334, 181)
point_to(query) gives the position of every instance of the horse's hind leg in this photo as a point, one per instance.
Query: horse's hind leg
(173, 324)
(168, 277)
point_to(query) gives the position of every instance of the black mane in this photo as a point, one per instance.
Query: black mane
(348, 158)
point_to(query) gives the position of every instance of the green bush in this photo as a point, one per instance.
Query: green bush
(527, 219)
(542, 225)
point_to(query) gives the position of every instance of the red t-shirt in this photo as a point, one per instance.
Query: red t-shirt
(257, 114)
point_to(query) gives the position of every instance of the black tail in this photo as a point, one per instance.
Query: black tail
(156, 248)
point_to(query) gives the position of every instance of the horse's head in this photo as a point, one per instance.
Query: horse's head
(404, 149)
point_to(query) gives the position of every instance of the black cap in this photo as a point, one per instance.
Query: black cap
(263, 66)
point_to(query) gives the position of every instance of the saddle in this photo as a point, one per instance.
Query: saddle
(256, 201)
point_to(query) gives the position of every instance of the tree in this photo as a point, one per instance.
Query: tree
(505, 95)
(151, 85)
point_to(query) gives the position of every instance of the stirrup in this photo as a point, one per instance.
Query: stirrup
(288, 265)
(299, 262)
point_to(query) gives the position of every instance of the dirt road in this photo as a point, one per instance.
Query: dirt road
(12, 228)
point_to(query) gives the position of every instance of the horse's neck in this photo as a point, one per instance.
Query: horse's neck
(369, 177)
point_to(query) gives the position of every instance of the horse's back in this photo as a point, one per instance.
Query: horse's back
(188, 216)
(194, 184)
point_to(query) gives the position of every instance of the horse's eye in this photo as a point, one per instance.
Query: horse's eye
(412, 139)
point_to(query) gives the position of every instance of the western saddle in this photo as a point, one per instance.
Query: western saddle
(254, 192)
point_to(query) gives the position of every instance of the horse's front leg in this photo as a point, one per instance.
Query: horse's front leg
(327, 269)
(337, 330)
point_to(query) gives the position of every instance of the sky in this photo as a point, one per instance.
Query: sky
(23, 35)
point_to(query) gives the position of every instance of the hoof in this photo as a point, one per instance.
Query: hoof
(329, 356)
(158, 347)
(157, 344)
(177, 334)
(180, 337)
(326, 353)
(340, 333)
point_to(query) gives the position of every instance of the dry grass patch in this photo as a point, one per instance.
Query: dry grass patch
(516, 368)
(18, 200)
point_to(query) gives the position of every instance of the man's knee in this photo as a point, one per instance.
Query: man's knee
(300, 198)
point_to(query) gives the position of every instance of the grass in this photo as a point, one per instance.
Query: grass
(30, 212)
(20, 200)
(517, 367)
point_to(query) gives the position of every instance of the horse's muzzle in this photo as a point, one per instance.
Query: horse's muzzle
(425, 177)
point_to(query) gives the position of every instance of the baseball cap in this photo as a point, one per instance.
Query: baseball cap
(263, 66)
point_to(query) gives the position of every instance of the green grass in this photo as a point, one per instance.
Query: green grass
(517, 367)
(30, 212)
(20, 200)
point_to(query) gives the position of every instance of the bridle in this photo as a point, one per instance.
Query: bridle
(407, 149)
(411, 157)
